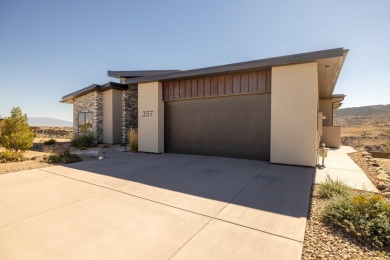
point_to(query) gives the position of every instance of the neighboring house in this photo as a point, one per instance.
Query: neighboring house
(277, 109)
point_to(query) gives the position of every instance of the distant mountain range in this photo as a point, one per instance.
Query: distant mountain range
(48, 121)
(367, 115)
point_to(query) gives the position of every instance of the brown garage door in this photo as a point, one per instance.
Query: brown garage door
(233, 126)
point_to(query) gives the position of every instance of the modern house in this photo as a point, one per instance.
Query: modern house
(276, 109)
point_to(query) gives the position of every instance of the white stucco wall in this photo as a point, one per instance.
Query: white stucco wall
(326, 107)
(107, 117)
(112, 116)
(150, 118)
(294, 106)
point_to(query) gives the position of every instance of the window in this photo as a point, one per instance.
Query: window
(85, 122)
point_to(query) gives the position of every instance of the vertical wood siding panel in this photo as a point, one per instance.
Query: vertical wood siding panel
(244, 82)
(261, 81)
(228, 84)
(236, 83)
(170, 90)
(165, 90)
(268, 86)
(214, 86)
(188, 89)
(252, 82)
(200, 87)
(182, 89)
(221, 85)
(176, 91)
(194, 88)
(207, 87)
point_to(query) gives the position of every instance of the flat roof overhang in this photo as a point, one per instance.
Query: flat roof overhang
(128, 74)
(94, 87)
(333, 55)
(337, 100)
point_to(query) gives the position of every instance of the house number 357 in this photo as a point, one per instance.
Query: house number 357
(147, 113)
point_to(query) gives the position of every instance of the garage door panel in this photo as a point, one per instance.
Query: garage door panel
(234, 126)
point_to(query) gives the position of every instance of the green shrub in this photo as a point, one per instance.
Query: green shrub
(65, 157)
(49, 142)
(15, 134)
(11, 156)
(365, 216)
(331, 188)
(82, 141)
(133, 139)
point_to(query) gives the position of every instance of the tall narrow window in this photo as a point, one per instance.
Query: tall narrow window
(85, 122)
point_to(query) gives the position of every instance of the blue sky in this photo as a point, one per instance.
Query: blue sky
(51, 48)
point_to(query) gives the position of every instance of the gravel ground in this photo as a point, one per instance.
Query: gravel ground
(32, 163)
(325, 242)
(21, 166)
(368, 169)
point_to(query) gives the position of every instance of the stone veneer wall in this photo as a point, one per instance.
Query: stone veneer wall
(129, 111)
(91, 102)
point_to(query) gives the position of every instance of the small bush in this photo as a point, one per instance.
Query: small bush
(82, 141)
(50, 142)
(331, 188)
(65, 157)
(365, 216)
(133, 139)
(15, 134)
(11, 156)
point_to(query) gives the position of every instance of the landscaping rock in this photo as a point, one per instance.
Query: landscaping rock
(386, 194)
(382, 176)
(383, 186)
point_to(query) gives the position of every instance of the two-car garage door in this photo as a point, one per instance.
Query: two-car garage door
(230, 126)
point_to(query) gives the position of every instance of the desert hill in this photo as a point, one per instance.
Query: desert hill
(354, 116)
(47, 121)
(367, 126)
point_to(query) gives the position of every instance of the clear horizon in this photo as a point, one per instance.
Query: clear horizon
(50, 49)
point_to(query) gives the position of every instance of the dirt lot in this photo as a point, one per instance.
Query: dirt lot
(371, 137)
(365, 127)
(58, 133)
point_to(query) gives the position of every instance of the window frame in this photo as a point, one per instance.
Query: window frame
(85, 115)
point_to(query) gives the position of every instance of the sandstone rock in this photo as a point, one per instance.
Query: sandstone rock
(382, 176)
(381, 171)
(386, 194)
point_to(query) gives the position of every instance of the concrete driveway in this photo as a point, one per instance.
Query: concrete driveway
(147, 206)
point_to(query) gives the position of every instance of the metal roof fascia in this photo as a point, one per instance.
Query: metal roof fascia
(262, 63)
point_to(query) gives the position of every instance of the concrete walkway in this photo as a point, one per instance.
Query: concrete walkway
(339, 166)
(145, 206)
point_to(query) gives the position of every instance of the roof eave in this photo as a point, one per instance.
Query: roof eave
(137, 73)
(244, 66)
(110, 85)
(339, 68)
